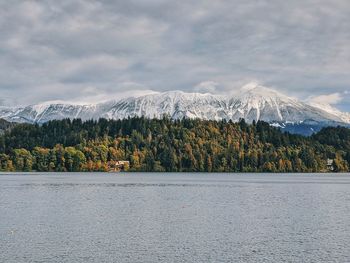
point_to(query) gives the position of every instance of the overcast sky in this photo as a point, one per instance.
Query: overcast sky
(90, 50)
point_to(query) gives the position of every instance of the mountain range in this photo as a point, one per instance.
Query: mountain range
(252, 102)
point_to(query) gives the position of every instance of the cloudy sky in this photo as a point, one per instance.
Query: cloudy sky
(90, 50)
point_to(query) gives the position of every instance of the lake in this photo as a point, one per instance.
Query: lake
(95, 217)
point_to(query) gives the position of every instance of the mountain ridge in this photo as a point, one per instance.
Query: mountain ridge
(251, 102)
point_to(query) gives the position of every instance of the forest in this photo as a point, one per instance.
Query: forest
(166, 145)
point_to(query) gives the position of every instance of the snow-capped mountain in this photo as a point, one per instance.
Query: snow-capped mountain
(255, 102)
(252, 102)
(176, 104)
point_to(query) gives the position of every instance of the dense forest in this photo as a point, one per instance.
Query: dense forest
(187, 145)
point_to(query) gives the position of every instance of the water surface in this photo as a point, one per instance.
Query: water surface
(174, 218)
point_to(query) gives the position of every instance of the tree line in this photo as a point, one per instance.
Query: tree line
(166, 145)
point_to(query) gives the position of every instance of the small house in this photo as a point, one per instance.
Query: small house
(118, 166)
(330, 164)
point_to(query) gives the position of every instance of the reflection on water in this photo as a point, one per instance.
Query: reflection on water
(174, 218)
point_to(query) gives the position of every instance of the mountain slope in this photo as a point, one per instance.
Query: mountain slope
(344, 116)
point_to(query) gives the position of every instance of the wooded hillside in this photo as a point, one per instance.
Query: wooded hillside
(170, 145)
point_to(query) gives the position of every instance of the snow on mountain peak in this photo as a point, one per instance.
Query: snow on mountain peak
(254, 90)
(255, 102)
(250, 85)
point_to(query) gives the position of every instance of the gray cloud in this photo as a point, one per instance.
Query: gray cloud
(75, 49)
